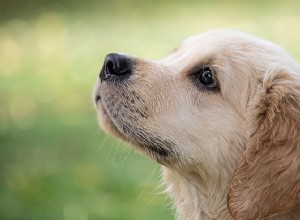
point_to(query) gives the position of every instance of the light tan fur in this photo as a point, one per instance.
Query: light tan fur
(233, 153)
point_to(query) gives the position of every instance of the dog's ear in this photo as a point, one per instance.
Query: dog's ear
(267, 180)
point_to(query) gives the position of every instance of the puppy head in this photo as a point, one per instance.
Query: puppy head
(191, 108)
(182, 108)
(188, 106)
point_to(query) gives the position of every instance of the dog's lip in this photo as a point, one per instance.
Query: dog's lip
(97, 98)
(104, 112)
(161, 152)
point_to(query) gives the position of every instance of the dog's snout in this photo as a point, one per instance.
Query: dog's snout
(116, 65)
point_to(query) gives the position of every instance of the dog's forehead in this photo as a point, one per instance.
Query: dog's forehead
(199, 47)
(217, 39)
(226, 39)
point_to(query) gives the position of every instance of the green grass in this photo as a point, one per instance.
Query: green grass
(55, 162)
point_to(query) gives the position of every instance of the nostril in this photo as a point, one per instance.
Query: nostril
(110, 68)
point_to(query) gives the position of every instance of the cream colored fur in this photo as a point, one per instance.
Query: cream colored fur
(218, 142)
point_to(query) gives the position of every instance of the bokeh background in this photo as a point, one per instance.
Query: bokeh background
(55, 163)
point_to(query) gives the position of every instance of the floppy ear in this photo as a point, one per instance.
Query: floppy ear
(267, 180)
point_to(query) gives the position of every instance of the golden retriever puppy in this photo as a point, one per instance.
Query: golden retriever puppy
(221, 114)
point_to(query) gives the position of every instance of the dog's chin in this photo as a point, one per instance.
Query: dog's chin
(108, 125)
(155, 152)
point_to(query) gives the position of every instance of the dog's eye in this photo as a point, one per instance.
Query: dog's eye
(206, 77)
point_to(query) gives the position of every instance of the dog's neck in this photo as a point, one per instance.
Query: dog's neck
(200, 190)
(198, 195)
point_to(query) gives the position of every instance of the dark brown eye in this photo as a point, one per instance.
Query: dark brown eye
(206, 77)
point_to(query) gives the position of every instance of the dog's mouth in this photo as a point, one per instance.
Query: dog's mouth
(97, 98)
(140, 138)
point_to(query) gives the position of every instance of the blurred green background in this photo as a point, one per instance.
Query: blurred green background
(55, 163)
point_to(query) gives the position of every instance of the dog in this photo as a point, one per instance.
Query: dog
(221, 114)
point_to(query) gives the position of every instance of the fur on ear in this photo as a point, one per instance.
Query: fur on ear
(267, 180)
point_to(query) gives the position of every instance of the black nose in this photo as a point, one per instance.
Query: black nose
(116, 66)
